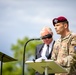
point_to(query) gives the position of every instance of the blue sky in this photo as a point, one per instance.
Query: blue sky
(20, 18)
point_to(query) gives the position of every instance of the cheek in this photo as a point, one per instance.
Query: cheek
(62, 29)
(44, 40)
(57, 27)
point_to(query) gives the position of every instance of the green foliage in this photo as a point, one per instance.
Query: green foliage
(15, 68)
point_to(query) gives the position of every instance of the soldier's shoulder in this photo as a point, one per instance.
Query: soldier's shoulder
(73, 42)
(73, 34)
(57, 41)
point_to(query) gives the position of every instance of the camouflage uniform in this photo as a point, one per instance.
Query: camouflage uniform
(64, 52)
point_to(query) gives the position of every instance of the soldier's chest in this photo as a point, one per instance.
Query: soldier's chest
(63, 48)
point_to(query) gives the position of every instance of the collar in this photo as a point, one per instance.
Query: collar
(66, 37)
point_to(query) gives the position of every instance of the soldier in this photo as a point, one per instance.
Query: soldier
(64, 50)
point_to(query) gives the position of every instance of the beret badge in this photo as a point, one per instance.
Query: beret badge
(55, 21)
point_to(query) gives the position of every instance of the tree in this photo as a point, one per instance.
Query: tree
(15, 68)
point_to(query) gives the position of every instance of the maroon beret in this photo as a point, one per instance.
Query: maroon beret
(59, 19)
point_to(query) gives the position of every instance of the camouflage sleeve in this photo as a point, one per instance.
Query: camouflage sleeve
(53, 57)
(72, 51)
(55, 51)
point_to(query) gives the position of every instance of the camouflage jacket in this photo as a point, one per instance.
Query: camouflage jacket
(64, 52)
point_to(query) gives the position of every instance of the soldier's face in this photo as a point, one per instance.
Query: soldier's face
(59, 27)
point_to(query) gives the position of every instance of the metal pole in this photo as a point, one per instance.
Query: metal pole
(46, 70)
(2, 63)
(24, 53)
(1, 67)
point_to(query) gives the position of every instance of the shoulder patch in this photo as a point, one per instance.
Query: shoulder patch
(75, 48)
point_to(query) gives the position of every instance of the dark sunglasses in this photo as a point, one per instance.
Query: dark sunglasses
(46, 36)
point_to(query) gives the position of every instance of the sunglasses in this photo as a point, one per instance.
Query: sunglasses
(46, 36)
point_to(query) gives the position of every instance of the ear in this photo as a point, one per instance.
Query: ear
(65, 25)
